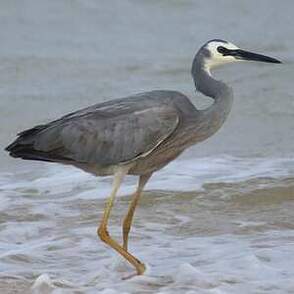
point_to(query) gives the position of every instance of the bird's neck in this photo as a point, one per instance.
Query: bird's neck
(206, 84)
(216, 114)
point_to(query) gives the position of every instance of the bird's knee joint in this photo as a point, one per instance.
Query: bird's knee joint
(103, 233)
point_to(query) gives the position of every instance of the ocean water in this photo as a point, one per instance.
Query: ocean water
(227, 228)
(217, 220)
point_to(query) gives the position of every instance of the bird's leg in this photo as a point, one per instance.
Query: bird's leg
(129, 217)
(102, 229)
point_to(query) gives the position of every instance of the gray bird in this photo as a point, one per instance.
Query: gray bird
(136, 135)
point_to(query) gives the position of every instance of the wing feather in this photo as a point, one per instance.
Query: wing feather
(104, 134)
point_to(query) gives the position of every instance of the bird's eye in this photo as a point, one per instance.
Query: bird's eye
(222, 50)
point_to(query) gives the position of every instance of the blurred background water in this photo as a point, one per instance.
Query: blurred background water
(219, 219)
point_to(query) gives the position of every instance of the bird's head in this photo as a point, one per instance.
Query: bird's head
(218, 52)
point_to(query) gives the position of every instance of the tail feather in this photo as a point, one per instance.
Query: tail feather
(28, 152)
(23, 147)
(32, 131)
(24, 138)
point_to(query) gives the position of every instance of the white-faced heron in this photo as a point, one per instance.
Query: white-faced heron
(136, 135)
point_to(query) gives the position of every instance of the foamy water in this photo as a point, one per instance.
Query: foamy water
(231, 231)
(180, 175)
(208, 222)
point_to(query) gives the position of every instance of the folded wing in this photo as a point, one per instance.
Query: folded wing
(104, 134)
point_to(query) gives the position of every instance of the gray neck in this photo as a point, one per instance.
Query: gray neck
(205, 83)
(215, 115)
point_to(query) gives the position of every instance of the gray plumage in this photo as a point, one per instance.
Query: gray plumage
(136, 135)
(146, 130)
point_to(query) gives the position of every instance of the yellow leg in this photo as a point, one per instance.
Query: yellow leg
(129, 217)
(102, 229)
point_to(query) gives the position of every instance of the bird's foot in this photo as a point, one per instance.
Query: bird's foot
(140, 271)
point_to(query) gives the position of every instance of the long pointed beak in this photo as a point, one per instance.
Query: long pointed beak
(246, 55)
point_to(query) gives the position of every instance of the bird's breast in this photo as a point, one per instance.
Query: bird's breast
(156, 160)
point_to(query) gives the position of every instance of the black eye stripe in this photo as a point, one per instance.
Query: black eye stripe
(224, 51)
(227, 52)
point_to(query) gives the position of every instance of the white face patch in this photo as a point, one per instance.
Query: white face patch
(216, 58)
